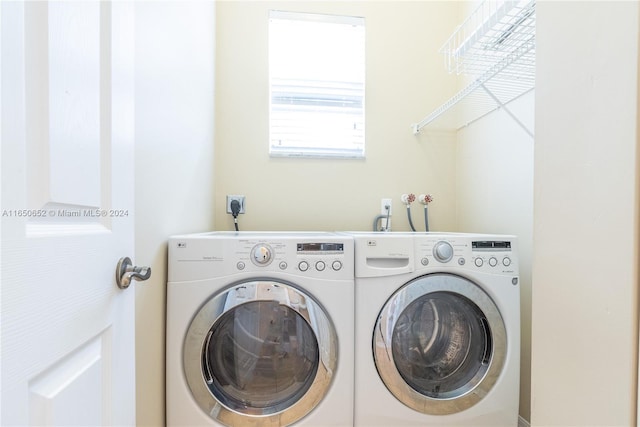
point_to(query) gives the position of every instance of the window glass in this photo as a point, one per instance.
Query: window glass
(442, 345)
(316, 75)
(260, 355)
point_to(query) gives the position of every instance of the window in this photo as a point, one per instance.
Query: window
(316, 73)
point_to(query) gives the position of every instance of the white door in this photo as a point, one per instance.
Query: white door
(67, 330)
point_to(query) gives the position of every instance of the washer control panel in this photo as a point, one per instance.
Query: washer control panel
(477, 252)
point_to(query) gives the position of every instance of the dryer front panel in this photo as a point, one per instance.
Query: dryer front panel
(439, 344)
(262, 352)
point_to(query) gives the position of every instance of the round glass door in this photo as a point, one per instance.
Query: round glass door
(439, 344)
(260, 349)
(260, 354)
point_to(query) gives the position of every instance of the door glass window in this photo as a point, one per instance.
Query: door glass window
(260, 354)
(442, 344)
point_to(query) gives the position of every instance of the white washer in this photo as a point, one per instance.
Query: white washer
(437, 330)
(260, 329)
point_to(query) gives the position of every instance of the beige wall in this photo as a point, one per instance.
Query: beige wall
(405, 79)
(175, 53)
(585, 259)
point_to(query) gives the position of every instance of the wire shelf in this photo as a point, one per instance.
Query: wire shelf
(496, 46)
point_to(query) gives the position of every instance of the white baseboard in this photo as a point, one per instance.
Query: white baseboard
(523, 423)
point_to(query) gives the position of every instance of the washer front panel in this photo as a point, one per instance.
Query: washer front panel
(260, 351)
(439, 344)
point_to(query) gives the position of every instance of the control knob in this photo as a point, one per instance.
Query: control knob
(443, 251)
(261, 254)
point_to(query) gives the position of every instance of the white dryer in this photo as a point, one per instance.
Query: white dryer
(260, 330)
(437, 330)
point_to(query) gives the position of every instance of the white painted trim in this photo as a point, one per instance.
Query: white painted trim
(522, 422)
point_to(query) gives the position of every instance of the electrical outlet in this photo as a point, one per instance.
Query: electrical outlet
(383, 207)
(230, 199)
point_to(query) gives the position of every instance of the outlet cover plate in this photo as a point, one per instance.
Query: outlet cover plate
(383, 210)
(231, 198)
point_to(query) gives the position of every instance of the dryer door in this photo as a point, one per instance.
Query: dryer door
(439, 344)
(260, 353)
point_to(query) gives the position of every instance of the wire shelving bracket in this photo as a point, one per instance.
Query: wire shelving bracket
(495, 46)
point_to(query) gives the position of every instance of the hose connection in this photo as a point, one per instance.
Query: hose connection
(407, 199)
(425, 199)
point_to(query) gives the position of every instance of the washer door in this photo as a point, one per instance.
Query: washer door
(262, 352)
(439, 344)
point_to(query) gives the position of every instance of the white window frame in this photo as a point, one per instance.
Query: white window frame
(315, 110)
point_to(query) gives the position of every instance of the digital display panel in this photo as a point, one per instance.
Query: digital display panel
(320, 247)
(491, 245)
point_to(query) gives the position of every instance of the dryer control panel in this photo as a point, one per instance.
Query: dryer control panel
(319, 255)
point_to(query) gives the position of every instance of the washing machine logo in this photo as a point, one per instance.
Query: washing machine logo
(372, 243)
(182, 245)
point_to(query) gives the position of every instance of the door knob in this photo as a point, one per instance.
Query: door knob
(126, 271)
